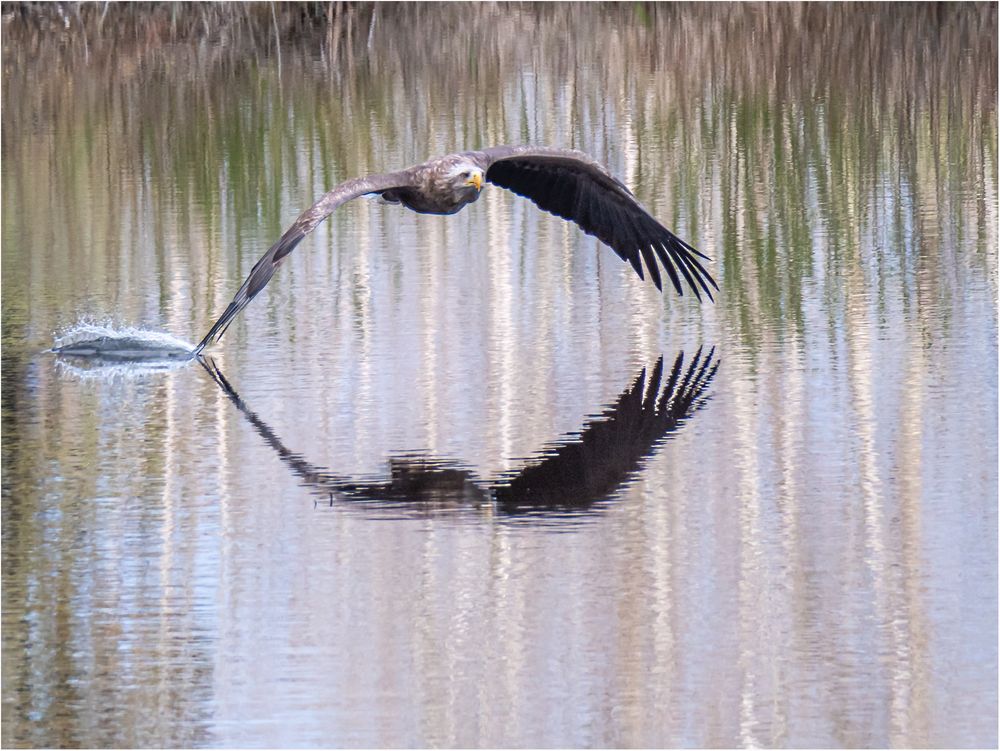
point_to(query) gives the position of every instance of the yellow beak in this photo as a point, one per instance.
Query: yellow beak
(477, 180)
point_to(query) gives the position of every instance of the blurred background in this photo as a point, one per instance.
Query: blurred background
(325, 546)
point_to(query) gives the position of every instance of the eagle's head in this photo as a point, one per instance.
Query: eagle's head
(466, 180)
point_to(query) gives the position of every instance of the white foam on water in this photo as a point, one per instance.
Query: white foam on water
(105, 371)
(157, 351)
(83, 331)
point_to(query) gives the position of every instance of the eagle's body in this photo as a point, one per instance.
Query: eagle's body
(563, 182)
(433, 191)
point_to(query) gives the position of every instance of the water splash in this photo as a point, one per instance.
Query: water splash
(83, 331)
(124, 349)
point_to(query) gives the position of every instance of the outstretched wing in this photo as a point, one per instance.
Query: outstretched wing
(573, 186)
(264, 269)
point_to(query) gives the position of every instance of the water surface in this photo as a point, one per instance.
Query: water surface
(426, 491)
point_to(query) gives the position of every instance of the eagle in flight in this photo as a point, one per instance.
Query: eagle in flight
(565, 182)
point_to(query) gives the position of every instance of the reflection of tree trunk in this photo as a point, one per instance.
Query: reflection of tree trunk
(891, 512)
(911, 697)
(751, 586)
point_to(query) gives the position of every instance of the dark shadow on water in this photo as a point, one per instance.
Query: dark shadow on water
(574, 476)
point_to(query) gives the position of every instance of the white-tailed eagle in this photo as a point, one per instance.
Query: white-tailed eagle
(564, 182)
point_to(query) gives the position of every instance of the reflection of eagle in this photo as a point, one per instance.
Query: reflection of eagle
(566, 183)
(569, 476)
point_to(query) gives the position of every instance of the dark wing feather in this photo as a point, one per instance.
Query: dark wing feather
(571, 185)
(264, 269)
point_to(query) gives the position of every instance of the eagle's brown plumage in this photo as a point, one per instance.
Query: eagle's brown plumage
(564, 182)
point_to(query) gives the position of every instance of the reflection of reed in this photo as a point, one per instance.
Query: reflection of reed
(845, 130)
(570, 476)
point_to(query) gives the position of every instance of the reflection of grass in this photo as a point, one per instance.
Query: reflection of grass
(790, 139)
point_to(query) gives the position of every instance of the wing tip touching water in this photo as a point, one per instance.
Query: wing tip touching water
(261, 274)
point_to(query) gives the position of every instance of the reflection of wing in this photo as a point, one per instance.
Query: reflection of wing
(572, 475)
(264, 269)
(577, 473)
(573, 186)
(309, 474)
(418, 481)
